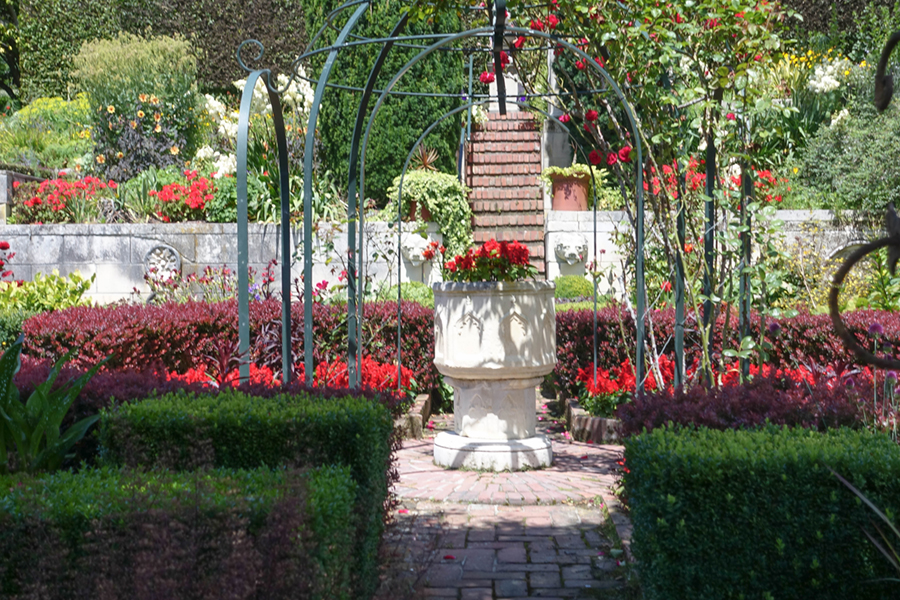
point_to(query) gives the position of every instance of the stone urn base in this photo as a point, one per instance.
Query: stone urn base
(454, 451)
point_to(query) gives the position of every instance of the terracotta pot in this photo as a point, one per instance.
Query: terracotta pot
(570, 192)
(413, 209)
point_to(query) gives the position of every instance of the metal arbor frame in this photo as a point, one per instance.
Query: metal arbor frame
(495, 34)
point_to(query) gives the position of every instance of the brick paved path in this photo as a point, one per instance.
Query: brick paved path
(468, 535)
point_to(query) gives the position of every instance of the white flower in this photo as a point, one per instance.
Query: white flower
(838, 117)
(215, 108)
(826, 77)
(225, 165)
(206, 153)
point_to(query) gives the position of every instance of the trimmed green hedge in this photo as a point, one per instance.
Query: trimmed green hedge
(215, 534)
(757, 514)
(233, 430)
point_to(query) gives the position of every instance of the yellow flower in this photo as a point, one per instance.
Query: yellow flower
(154, 100)
(100, 159)
(119, 155)
(140, 114)
(110, 109)
(174, 150)
(847, 72)
(796, 170)
(157, 117)
(142, 97)
(862, 64)
(187, 163)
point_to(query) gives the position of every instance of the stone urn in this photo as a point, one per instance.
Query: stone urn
(494, 342)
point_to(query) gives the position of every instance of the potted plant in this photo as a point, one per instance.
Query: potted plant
(435, 197)
(571, 186)
(495, 340)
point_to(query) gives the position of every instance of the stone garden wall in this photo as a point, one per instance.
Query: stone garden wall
(120, 254)
(570, 237)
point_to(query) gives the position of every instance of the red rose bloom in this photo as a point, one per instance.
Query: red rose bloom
(612, 159)
(520, 41)
(625, 154)
(595, 157)
(591, 115)
(4, 245)
(579, 65)
(730, 116)
(565, 118)
(552, 21)
(486, 77)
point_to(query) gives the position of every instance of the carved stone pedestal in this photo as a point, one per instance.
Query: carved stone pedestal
(494, 342)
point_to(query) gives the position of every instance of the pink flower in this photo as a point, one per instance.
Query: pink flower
(565, 118)
(580, 65)
(486, 77)
(730, 117)
(612, 158)
(4, 245)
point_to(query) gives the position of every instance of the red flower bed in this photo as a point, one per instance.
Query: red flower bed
(177, 337)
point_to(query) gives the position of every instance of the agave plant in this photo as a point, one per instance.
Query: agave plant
(425, 158)
(32, 429)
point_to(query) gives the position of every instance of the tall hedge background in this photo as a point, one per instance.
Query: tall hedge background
(52, 31)
(402, 119)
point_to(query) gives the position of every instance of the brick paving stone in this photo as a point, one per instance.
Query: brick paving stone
(512, 554)
(544, 580)
(511, 588)
(477, 594)
(576, 572)
(572, 540)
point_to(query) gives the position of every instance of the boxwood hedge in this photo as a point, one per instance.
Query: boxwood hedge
(757, 514)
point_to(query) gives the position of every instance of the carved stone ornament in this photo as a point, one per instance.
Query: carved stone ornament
(572, 249)
(162, 261)
(412, 246)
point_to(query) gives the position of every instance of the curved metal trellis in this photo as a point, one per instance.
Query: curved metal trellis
(496, 33)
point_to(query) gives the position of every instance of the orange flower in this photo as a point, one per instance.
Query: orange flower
(157, 129)
(100, 159)
(143, 97)
(133, 124)
(174, 150)
(157, 117)
(154, 100)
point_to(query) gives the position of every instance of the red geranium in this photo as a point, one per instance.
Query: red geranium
(493, 261)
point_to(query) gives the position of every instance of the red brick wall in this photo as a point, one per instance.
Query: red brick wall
(502, 170)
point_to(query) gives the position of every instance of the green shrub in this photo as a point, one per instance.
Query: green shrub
(214, 534)
(234, 430)
(49, 132)
(143, 96)
(757, 514)
(51, 33)
(413, 291)
(445, 198)
(401, 120)
(45, 293)
(11, 325)
(573, 287)
(848, 161)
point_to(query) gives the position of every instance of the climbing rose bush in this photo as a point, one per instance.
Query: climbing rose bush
(493, 261)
